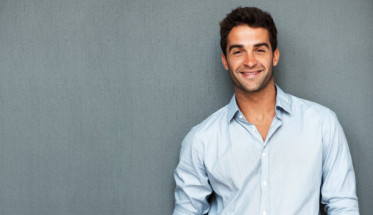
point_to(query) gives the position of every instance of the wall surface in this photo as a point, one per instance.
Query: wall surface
(96, 96)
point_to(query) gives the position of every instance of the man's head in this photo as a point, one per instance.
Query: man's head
(252, 17)
(249, 47)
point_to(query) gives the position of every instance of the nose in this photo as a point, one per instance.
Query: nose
(250, 60)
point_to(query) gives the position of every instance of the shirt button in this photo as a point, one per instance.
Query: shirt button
(240, 116)
(264, 213)
(264, 183)
(263, 154)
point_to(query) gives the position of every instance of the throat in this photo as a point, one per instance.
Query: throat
(259, 109)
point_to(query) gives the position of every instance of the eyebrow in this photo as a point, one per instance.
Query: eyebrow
(241, 46)
(262, 44)
(234, 46)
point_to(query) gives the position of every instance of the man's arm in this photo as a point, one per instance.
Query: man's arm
(338, 190)
(192, 186)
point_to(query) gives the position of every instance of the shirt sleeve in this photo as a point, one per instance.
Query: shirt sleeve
(338, 189)
(192, 185)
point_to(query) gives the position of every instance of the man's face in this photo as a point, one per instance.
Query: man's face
(250, 59)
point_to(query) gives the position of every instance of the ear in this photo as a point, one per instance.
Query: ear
(224, 61)
(276, 57)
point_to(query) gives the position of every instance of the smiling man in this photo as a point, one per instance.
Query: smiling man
(266, 152)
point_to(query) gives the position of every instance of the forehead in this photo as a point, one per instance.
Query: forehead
(245, 35)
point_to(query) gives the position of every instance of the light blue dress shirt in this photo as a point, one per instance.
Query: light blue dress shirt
(304, 160)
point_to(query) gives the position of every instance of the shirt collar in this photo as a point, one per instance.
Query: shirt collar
(232, 108)
(283, 101)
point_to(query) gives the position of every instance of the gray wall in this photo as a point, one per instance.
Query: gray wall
(96, 96)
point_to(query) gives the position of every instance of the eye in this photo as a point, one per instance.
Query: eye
(237, 52)
(260, 50)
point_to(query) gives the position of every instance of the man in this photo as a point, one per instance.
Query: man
(266, 152)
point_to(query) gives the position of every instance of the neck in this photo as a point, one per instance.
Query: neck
(257, 105)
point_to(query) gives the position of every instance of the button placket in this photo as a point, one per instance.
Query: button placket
(264, 180)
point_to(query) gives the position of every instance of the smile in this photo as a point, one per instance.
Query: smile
(250, 74)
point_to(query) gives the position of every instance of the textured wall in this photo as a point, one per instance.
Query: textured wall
(96, 96)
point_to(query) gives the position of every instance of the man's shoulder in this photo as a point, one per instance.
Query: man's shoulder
(306, 107)
(213, 123)
(300, 107)
(313, 116)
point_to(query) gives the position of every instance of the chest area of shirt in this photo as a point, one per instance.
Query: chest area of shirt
(239, 158)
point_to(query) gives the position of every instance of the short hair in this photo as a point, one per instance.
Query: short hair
(251, 16)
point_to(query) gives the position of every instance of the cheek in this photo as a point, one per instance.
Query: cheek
(267, 62)
(235, 63)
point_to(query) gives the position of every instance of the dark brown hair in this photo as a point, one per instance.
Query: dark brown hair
(251, 16)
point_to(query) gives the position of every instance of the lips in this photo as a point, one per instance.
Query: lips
(250, 74)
